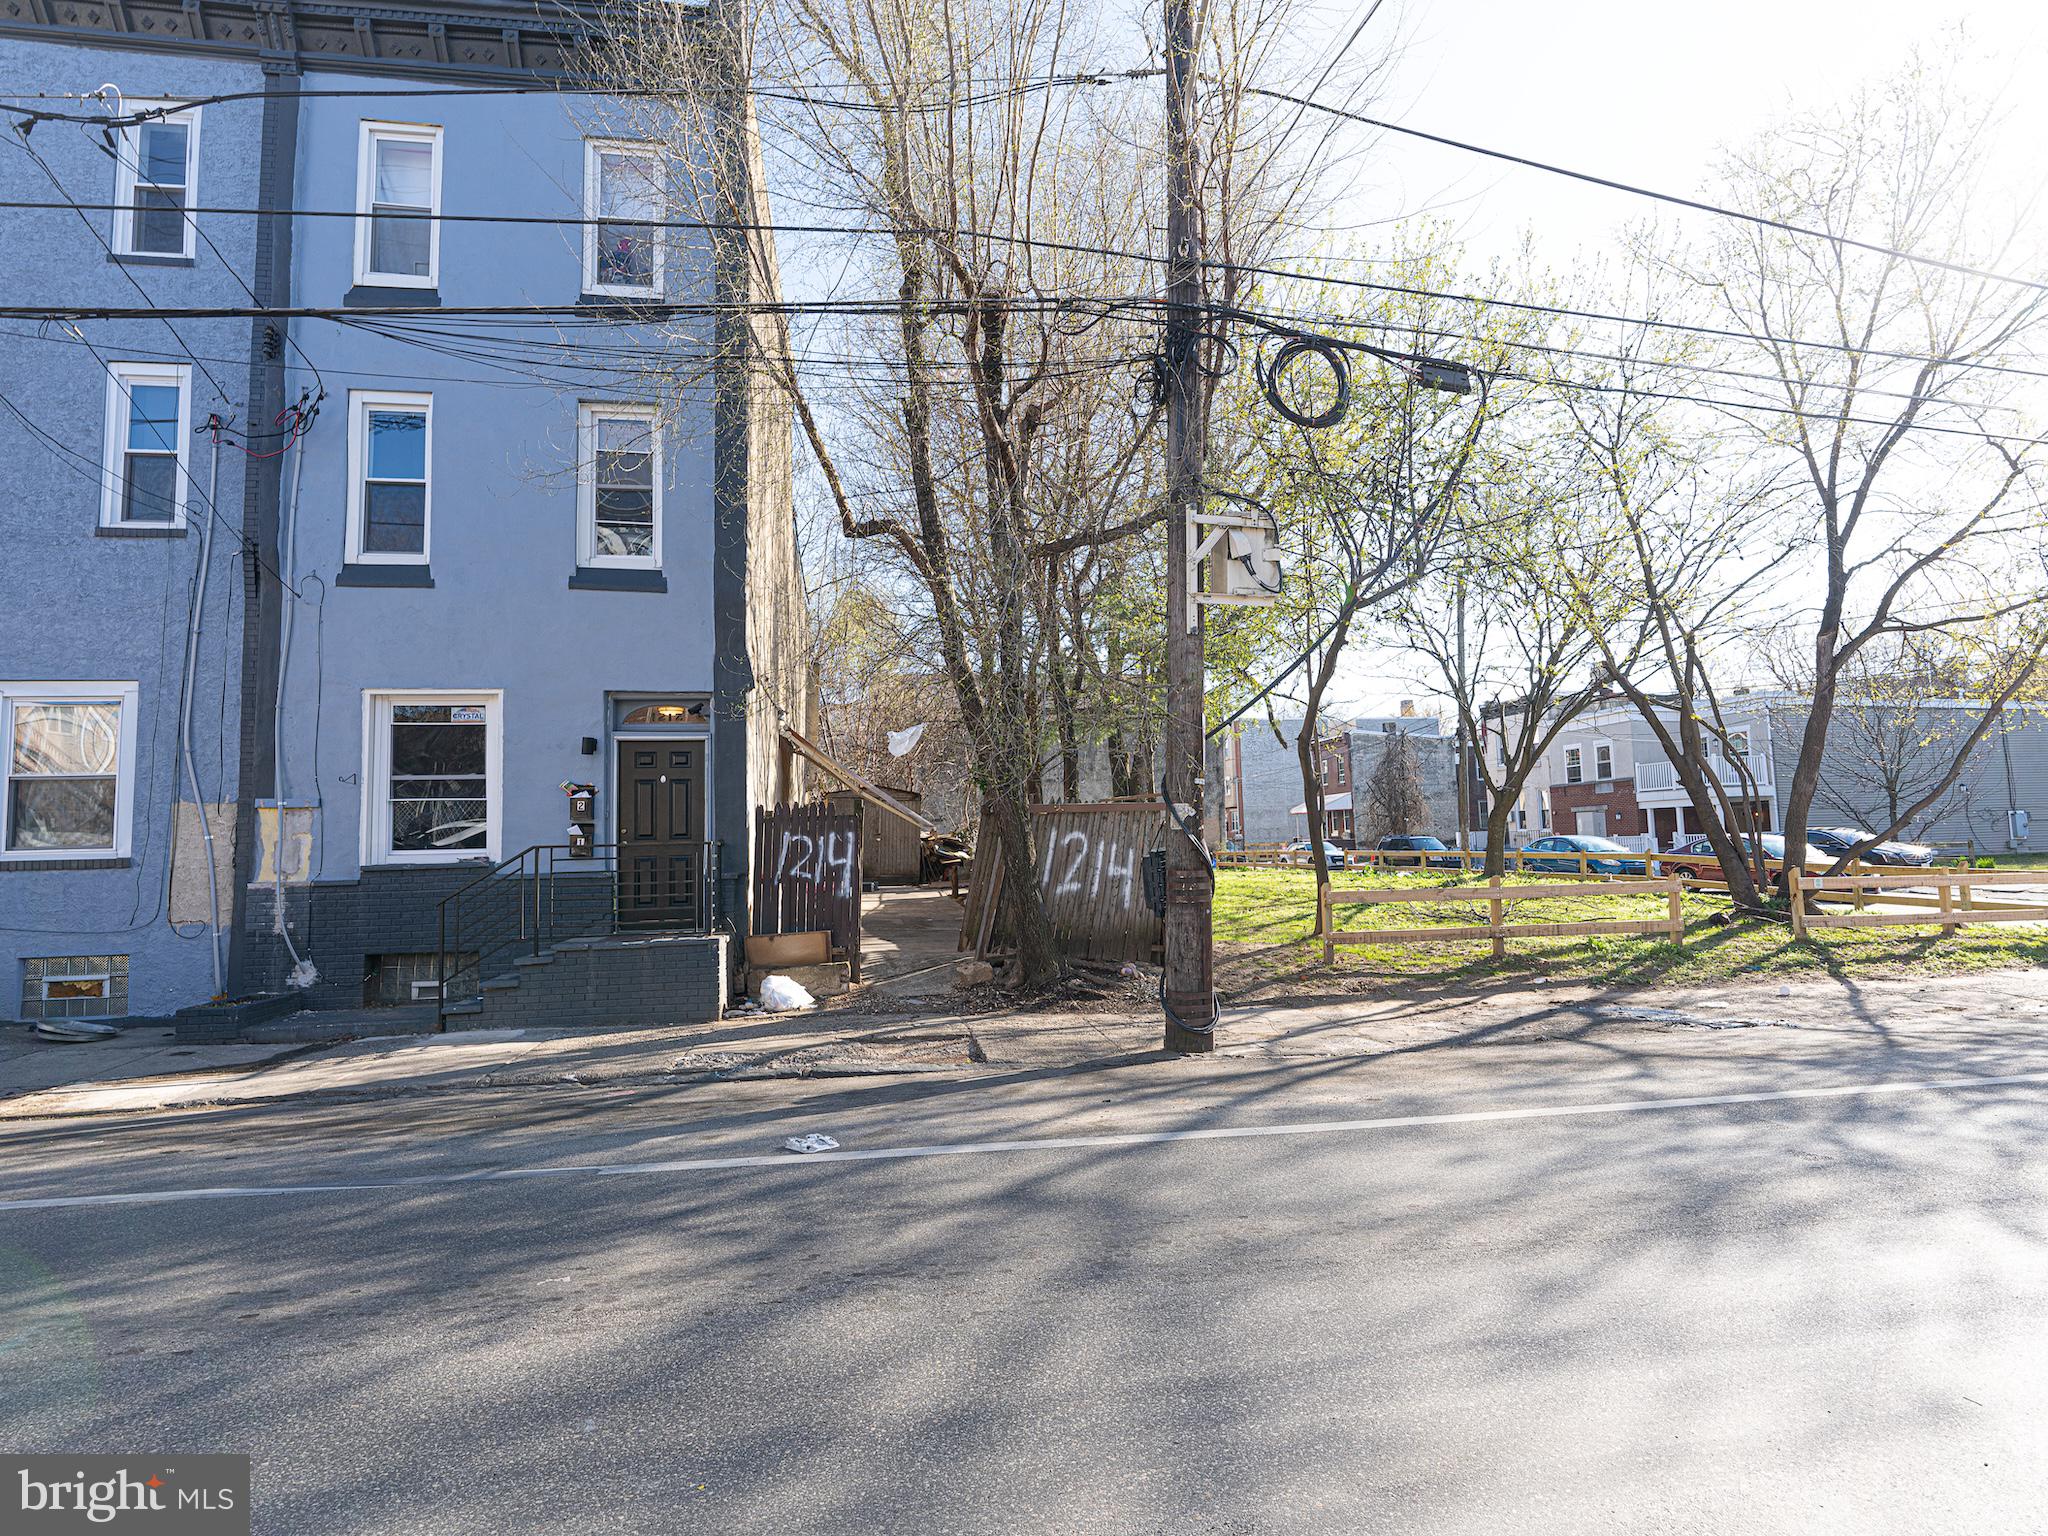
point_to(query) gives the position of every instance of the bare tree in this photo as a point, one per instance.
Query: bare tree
(1395, 802)
(1887, 379)
(966, 387)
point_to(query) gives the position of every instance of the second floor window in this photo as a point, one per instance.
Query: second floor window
(1574, 769)
(621, 201)
(398, 192)
(1738, 744)
(157, 176)
(619, 487)
(147, 420)
(1603, 762)
(390, 449)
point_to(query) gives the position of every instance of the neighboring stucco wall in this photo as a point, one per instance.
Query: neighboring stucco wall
(2006, 771)
(78, 607)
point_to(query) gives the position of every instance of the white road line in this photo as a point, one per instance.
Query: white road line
(1042, 1144)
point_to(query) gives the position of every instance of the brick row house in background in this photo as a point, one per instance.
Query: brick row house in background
(1607, 775)
(444, 573)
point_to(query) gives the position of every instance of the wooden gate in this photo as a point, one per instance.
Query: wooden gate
(807, 874)
(1091, 874)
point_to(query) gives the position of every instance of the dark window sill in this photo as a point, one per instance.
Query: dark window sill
(369, 296)
(145, 259)
(384, 576)
(619, 300)
(140, 531)
(48, 866)
(605, 579)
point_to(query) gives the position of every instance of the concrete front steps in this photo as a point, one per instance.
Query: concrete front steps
(613, 982)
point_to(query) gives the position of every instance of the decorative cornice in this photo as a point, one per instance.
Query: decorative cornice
(476, 41)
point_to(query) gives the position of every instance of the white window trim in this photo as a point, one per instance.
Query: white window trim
(360, 403)
(366, 180)
(128, 172)
(120, 377)
(1598, 748)
(376, 811)
(1574, 757)
(1738, 733)
(123, 694)
(587, 416)
(592, 148)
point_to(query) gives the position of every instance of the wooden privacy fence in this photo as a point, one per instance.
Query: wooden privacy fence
(1091, 876)
(1950, 898)
(1496, 927)
(807, 873)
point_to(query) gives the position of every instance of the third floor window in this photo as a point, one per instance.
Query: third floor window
(156, 177)
(398, 195)
(622, 205)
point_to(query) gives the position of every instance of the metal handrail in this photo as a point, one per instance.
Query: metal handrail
(541, 884)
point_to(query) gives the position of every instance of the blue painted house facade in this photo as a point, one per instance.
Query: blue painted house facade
(503, 616)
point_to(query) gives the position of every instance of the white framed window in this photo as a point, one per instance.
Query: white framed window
(622, 246)
(390, 458)
(1603, 761)
(67, 780)
(1574, 766)
(1738, 743)
(156, 183)
(146, 477)
(432, 776)
(618, 486)
(398, 202)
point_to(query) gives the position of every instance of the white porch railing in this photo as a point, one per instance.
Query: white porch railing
(1654, 775)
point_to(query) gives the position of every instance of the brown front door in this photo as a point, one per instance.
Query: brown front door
(661, 833)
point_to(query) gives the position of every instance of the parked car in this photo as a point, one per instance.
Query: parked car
(1696, 860)
(1575, 843)
(1419, 846)
(1301, 852)
(1836, 841)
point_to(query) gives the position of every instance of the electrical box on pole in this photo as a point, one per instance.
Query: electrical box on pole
(1233, 560)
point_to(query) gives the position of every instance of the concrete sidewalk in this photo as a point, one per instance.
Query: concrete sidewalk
(38, 1080)
(120, 1077)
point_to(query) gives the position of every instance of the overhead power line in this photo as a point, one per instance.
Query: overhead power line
(1698, 205)
(806, 96)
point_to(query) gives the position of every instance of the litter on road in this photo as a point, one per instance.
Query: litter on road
(811, 1143)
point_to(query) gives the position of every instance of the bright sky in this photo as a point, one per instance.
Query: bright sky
(1643, 91)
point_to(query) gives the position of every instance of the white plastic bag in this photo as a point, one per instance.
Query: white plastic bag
(779, 995)
(811, 1143)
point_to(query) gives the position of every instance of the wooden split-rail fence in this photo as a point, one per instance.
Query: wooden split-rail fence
(1925, 897)
(1497, 897)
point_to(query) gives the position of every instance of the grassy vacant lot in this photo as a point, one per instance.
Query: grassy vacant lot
(1263, 919)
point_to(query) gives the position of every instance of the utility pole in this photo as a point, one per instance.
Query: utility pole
(1189, 989)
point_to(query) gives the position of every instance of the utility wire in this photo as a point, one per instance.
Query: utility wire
(1698, 205)
(803, 97)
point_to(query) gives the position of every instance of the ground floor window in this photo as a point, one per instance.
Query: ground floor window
(433, 783)
(74, 987)
(66, 779)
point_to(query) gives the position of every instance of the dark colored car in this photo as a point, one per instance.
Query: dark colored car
(1836, 841)
(1419, 846)
(1575, 843)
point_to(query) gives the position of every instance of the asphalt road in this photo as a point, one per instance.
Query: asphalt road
(1544, 1298)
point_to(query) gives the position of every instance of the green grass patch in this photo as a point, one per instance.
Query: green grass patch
(1264, 919)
